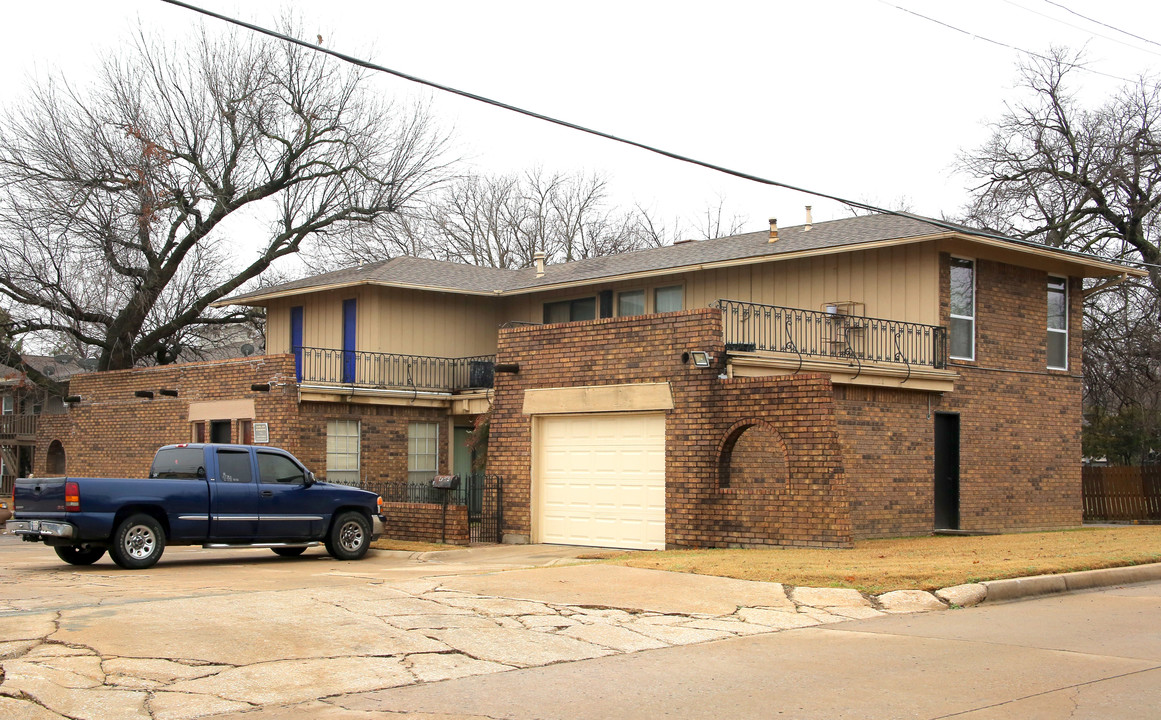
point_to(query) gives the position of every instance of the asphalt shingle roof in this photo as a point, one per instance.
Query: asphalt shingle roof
(450, 276)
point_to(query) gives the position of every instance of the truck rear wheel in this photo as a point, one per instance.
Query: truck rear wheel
(349, 536)
(137, 542)
(78, 555)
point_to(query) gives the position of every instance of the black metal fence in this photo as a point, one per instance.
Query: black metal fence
(390, 370)
(480, 493)
(810, 333)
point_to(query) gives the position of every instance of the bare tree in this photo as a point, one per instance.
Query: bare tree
(117, 200)
(714, 223)
(1083, 179)
(1088, 179)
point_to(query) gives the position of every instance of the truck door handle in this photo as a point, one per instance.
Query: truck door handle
(267, 493)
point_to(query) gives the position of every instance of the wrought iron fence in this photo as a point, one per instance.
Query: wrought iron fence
(390, 370)
(810, 333)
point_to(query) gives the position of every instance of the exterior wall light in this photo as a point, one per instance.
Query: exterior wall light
(700, 358)
(144, 393)
(260, 387)
(168, 393)
(71, 399)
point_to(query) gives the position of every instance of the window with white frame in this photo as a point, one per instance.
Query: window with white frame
(963, 309)
(1057, 323)
(343, 451)
(7, 405)
(422, 452)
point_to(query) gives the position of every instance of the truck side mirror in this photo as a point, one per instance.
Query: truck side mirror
(309, 479)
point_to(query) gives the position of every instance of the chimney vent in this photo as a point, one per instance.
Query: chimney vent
(539, 257)
(809, 219)
(773, 230)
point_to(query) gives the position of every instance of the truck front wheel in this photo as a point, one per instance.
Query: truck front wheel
(137, 542)
(349, 537)
(77, 555)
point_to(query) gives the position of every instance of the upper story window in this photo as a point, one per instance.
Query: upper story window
(7, 405)
(631, 302)
(1057, 323)
(668, 299)
(571, 310)
(963, 309)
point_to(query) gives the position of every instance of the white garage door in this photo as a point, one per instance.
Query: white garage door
(601, 480)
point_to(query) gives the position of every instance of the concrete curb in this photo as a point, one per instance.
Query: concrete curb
(1037, 585)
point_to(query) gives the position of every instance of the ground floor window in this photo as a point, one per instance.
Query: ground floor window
(343, 451)
(422, 451)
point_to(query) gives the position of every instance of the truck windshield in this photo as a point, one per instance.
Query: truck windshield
(178, 463)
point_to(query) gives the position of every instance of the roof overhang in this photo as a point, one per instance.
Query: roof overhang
(1052, 259)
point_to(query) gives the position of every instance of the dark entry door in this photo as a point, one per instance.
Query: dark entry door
(946, 471)
(220, 431)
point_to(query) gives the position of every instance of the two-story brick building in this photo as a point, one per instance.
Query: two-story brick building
(811, 385)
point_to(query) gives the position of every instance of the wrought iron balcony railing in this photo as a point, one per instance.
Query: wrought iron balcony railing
(389, 370)
(814, 334)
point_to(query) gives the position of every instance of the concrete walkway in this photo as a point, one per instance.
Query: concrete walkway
(229, 632)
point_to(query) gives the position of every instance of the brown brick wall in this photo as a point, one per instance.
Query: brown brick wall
(808, 506)
(1019, 422)
(425, 522)
(112, 433)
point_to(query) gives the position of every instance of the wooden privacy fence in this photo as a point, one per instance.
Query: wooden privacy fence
(1122, 493)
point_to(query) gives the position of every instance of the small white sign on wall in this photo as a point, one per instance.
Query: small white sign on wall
(261, 433)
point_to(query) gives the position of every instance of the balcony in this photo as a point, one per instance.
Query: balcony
(356, 368)
(811, 340)
(17, 428)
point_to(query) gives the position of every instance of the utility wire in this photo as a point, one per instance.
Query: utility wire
(1002, 44)
(608, 136)
(1046, 16)
(1098, 22)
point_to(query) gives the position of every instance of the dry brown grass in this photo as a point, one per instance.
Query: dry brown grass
(411, 546)
(927, 563)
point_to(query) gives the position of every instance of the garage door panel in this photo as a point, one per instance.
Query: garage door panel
(601, 480)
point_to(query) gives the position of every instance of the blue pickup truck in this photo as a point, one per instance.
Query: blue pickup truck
(197, 494)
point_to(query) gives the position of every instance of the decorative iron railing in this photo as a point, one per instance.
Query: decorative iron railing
(812, 334)
(389, 370)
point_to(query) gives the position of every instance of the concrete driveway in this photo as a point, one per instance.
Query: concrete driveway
(210, 632)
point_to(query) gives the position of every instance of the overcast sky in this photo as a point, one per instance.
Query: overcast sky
(855, 98)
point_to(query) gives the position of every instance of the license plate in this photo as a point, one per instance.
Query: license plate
(34, 525)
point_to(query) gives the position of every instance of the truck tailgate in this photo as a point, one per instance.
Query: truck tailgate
(39, 496)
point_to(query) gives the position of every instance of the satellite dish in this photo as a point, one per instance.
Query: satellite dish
(88, 363)
(247, 349)
(64, 358)
(50, 370)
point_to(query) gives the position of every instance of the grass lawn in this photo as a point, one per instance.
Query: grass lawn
(927, 563)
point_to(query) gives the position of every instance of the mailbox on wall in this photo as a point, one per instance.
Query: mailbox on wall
(446, 482)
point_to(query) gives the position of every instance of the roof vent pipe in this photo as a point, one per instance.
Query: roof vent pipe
(539, 258)
(773, 230)
(809, 219)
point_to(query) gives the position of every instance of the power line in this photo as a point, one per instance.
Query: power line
(1046, 16)
(608, 136)
(1001, 44)
(1098, 22)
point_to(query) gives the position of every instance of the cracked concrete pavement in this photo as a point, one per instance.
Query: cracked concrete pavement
(233, 632)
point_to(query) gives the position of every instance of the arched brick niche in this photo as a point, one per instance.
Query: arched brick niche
(55, 458)
(752, 456)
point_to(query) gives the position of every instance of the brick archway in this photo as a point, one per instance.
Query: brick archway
(55, 458)
(752, 455)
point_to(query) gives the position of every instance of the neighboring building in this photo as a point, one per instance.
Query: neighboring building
(855, 378)
(22, 407)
